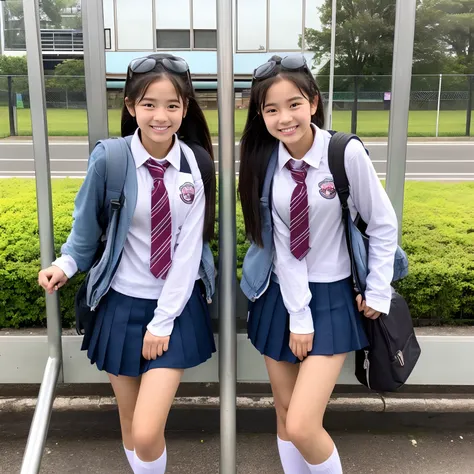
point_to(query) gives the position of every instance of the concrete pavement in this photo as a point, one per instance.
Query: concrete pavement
(90, 443)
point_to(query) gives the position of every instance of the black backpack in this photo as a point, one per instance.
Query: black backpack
(393, 350)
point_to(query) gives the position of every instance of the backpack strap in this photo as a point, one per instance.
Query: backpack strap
(117, 151)
(184, 165)
(336, 154)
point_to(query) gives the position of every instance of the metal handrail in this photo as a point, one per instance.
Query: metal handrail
(39, 427)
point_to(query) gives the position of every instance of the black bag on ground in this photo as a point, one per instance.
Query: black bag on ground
(393, 350)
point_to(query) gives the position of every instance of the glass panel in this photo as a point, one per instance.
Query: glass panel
(205, 39)
(286, 24)
(173, 39)
(134, 24)
(14, 25)
(204, 15)
(251, 25)
(172, 15)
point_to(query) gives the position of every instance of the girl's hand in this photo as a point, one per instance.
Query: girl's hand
(51, 279)
(363, 308)
(154, 346)
(301, 344)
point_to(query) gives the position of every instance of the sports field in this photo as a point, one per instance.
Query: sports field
(72, 122)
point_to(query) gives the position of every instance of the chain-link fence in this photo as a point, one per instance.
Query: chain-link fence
(439, 105)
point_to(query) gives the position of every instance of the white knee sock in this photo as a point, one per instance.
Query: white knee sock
(129, 453)
(291, 459)
(330, 466)
(154, 467)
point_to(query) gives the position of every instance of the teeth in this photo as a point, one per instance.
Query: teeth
(288, 130)
(161, 129)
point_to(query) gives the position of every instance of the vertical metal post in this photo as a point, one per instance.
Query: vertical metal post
(12, 108)
(328, 124)
(303, 33)
(470, 83)
(2, 29)
(227, 239)
(355, 105)
(439, 104)
(94, 66)
(400, 103)
(40, 424)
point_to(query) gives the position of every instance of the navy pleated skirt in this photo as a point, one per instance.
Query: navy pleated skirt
(116, 339)
(337, 324)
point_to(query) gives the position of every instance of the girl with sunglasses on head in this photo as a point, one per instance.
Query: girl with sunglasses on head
(153, 322)
(303, 313)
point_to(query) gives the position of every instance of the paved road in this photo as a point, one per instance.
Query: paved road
(446, 161)
(90, 444)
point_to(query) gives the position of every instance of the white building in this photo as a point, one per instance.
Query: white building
(186, 28)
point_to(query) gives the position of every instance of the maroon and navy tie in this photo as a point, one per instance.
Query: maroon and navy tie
(299, 212)
(160, 256)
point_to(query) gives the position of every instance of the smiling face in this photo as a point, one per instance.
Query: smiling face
(287, 114)
(159, 114)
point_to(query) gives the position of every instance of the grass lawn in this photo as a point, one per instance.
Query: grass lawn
(73, 122)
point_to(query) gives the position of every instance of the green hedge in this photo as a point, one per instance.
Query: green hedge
(438, 235)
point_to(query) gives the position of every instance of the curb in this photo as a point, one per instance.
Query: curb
(376, 403)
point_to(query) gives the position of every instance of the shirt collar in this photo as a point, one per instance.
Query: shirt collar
(313, 157)
(140, 155)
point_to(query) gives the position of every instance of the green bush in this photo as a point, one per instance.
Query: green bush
(438, 235)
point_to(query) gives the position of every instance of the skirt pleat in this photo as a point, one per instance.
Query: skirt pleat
(337, 324)
(116, 341)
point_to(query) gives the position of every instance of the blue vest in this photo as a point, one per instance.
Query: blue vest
(258, 262)
(87, 231)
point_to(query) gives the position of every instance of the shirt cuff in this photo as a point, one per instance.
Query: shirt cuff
(161, 328)
(380, 305)
(67, 264)
(302, 322)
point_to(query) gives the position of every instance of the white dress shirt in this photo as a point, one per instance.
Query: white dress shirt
(328, 260)
(133, 276)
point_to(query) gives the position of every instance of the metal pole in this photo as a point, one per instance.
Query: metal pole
(400, 103)
(227, 240)
(2, 29)
(439, 104)
(303, 33)
(470, 83)
(355, 105)
(40, 424)
(11, 108)
(332, 61)
(94, 66)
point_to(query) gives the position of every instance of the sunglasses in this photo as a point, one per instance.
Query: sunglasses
(149, 63)
(294, 62)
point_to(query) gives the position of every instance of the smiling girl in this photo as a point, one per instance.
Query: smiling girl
(303, 314)
(153, 322)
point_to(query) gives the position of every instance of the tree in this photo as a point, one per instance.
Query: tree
(68, 75)
(457, 30)
(365, 32)
(53, 14)
(15, 66)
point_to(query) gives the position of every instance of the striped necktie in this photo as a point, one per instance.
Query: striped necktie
(299, 212)
(160, 254)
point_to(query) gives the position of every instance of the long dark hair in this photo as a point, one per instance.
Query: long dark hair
(193, 130)
(257, 144)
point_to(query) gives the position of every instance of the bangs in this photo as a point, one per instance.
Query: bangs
(136, 88)
(307, 88)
